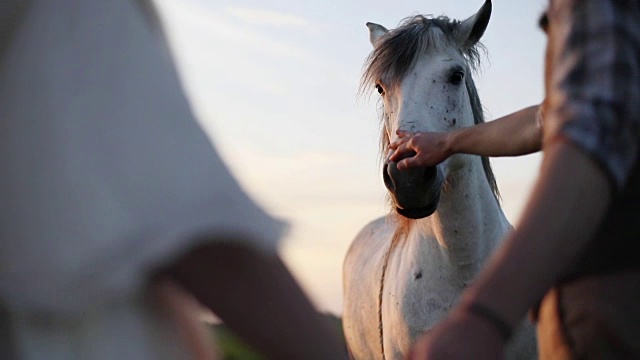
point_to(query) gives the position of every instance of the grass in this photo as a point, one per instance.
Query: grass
(233, 348)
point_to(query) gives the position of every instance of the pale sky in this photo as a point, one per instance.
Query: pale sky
(274, 85)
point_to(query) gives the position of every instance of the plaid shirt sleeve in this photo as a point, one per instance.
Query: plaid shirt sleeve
(595, 84)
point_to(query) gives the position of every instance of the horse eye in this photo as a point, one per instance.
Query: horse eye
(457, 77)
(379, 89)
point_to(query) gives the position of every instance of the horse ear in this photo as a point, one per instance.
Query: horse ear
(376, 32)
(472, 29)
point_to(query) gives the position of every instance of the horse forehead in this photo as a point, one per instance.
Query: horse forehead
(437, 61)
(427, 78)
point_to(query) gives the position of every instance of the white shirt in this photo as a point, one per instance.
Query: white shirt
(106, 176)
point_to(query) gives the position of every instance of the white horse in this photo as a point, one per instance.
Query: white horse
(404, 271)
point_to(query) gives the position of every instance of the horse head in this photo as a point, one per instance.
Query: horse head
(422, 71)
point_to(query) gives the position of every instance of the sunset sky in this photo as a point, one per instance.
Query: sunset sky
(274, 84)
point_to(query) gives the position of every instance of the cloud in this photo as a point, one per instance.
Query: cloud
(267, 17)
(303, 179)
(200, 27)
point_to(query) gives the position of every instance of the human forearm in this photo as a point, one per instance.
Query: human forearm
(185, 313)
(256, 296)
(511, 135)
(564, 211)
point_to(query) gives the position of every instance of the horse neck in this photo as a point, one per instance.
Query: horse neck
(469, 222)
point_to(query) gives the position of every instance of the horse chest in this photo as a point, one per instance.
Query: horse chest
(420, 286)
(395, 293)
(398, 301)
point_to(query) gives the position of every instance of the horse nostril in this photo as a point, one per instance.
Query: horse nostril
(430, 173)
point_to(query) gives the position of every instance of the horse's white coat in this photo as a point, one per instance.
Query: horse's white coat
(434, 258)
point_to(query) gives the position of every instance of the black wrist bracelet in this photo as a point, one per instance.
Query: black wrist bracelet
(491, 316)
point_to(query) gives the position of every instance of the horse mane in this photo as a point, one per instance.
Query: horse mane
(478, 118)
(397, 51)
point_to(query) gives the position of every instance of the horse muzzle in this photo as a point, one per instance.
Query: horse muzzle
(415, 191)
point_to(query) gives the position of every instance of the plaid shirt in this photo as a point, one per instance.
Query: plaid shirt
(594, 90)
